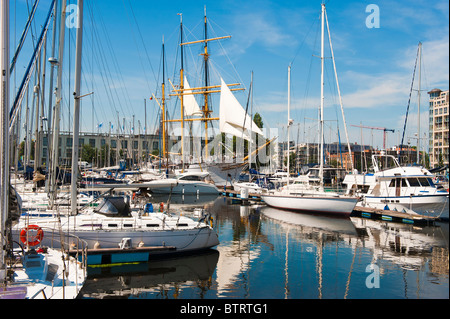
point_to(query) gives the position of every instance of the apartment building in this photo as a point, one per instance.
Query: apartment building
(438, 122)
(132, 148)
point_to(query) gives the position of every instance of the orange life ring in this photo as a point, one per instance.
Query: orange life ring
(31, 240)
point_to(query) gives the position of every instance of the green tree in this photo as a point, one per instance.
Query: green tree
(258, 120)
(87, 153)
(292, 157)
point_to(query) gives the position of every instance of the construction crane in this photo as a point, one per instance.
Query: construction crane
(378, 128)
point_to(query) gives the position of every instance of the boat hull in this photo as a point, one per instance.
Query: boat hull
(221, 173)
(182, 239)
(313, 204)
(434, 205)
(251, 187)
(187, 188)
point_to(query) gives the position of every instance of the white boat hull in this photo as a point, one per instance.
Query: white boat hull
(221, 173)
(183, 240)
(313, 204)
(186, 188)
(145, 233)
(251, 187)
(434, 205)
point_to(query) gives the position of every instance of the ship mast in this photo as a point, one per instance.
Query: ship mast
(321, 96)
(182, 88)
(206, 111)
(162, 106)
(206, 90)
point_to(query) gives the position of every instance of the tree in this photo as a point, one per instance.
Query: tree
(258, 120)
(87, 153)
(292, 157)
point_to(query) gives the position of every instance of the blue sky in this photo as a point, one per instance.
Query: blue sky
(375, 65)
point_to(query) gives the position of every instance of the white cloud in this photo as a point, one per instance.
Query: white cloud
(393, 88)
(380, 90)
(261, 28)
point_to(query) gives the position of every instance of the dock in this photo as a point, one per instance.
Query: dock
(235, 194)
(393, 216)
(359, 211)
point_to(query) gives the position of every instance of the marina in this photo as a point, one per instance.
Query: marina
(299, 256)
(213, 189)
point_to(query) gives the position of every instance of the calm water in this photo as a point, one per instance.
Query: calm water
(265, 253)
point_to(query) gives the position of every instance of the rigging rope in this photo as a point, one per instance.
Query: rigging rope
(407, 109)
(22, 38)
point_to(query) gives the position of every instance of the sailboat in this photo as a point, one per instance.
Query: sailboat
(226, 120)
(113, 228)
(232, 117)
(309, 199)
(27, 272)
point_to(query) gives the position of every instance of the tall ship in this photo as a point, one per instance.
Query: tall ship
(196, 152)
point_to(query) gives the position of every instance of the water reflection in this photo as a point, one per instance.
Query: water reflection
(270, 253)
(409, 258)
(158, 279)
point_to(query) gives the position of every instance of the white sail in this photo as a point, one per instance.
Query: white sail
(232, 116)
(190, 104)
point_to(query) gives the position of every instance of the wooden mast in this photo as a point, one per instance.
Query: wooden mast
(205, 90)
(182, 88)
(206, 111)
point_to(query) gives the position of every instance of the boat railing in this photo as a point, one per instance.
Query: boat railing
(68, 244)
(59, 239)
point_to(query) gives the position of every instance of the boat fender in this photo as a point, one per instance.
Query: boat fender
(148, 208)
(161, 207)
(29, 239)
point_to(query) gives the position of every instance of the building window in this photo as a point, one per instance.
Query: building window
(92, 142)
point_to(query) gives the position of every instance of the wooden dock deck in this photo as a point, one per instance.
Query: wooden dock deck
(393, 216)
